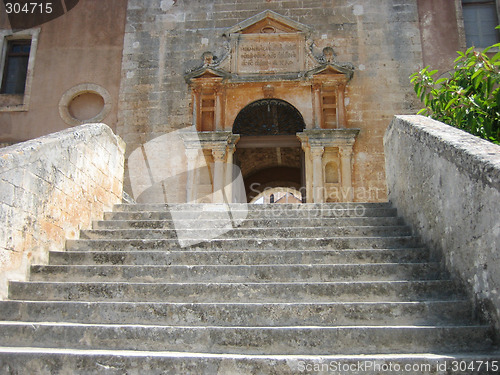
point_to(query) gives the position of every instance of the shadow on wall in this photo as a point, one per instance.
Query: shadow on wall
(26, 15)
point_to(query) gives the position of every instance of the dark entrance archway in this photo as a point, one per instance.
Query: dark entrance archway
(269, 154)
(268, 117)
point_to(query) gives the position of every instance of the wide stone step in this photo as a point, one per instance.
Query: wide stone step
(237, 233)
(237, 216)
(244, 243)
(201, 207)
(310, 340)
(242, 314)
(144, 257)
(49, 361)
(249, 223)
(239, 273)
(368, 291)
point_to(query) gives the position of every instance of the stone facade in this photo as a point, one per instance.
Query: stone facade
(52, 187)
(132, 61)
(446, 184)
(164, 39)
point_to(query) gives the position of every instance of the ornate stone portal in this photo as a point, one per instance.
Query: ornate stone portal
(269, 88)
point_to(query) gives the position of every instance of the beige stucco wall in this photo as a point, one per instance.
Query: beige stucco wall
(82, 47)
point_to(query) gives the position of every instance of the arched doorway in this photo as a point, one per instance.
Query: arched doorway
(269, 154)
(268, 117)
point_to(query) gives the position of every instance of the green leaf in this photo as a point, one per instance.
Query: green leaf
(450, 103)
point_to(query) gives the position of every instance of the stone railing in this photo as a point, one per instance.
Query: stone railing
(446, 185)
(52, 187)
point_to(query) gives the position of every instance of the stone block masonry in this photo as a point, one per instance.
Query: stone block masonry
(50, 188)
(446, 184)
(164, 38)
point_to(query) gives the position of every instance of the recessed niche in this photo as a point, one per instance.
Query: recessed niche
(86, 106)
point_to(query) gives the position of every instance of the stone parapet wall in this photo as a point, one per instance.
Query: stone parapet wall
(446, 184)
(50, 188)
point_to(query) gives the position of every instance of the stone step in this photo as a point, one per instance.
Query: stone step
(203, 207)
(144, 257)
(244, 243)
(240, 273)
(237, 216)
(306, 340)
(249, 223)
(49, 361)
(236, 233)
(368, 291)
(242, 314)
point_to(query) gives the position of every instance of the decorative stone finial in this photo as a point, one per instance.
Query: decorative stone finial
(208, 58)
(328, 54)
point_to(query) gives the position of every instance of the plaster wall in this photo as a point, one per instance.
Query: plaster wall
(441, 29)
(446, 184)
(50, 188)
(82, 47)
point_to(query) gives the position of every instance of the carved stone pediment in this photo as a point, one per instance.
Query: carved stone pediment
(206, 73)
(269, 47)
(268, 43)
(331, 69)
(268, 22)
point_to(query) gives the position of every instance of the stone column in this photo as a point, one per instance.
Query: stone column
(228, 188)
(218, 181)
(345, 153)
(318, 186)
(196, 107)
(191, 185)
(341, 111)
(318, 116)
(309, 174)
(218, 108)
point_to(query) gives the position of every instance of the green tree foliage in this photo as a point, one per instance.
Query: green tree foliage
(469, 97)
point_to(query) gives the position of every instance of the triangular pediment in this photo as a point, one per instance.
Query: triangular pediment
(268, 22)
(206, 73)
(209, 73)
(331, 69)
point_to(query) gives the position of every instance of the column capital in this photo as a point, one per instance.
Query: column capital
(317, 151)
(219, 153)
(317, 86)
(345, 151)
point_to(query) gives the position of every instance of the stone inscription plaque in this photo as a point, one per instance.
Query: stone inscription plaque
(266, 55)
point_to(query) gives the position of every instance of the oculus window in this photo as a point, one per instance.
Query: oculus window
(480, 20)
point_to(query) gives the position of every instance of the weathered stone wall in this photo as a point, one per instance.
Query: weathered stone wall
(446, 184)
(381, 38)
(52, 187)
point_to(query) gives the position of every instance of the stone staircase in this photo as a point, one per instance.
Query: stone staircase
(269, 289)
